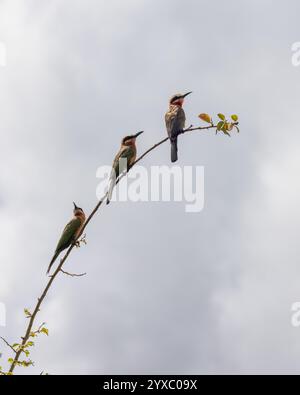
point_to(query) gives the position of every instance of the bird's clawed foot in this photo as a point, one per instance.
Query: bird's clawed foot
(80, 241)
(182, 131)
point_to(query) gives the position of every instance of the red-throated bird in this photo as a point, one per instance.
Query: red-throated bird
(175, 122)
(70, 233)
(123, 161)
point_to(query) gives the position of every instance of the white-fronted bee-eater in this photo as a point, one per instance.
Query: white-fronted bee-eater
(123, 161)
(175, 122)
(70, 233)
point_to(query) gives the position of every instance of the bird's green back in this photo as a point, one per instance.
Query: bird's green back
(125, 153)
(69, 234)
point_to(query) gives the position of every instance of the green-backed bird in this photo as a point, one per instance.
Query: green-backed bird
(123, 161)
(70, 233)
(175, 122)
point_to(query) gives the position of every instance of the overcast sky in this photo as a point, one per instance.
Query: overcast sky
(165, 291)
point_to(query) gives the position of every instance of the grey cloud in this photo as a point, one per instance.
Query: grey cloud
(166, 292)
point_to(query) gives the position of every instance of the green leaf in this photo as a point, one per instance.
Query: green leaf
(27, 313)
(26, 364)
(235, 118)
(220, 125)
(45, 330)
(224, 130)
(222, 117)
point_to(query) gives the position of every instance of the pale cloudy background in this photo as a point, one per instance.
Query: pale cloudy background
(166, 292)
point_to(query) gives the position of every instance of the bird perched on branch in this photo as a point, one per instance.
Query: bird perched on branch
(70, 233)
(175, 122)
(123, 161)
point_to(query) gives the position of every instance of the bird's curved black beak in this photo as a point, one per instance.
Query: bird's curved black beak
(137, 135)
(183, 96)
(75, 207)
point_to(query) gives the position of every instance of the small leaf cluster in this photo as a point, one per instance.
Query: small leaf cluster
(25, 348)
(2, 372)
(223, 125)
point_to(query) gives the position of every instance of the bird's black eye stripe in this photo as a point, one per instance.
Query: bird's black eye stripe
(127, 138)
(175, 98)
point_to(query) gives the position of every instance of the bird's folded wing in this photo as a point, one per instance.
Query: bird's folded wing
(69, 233)
(175, 121)
(125, 153)
(170, 117)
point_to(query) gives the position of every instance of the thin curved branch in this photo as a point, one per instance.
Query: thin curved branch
(65, 257)
(8, 345)
(72, 274)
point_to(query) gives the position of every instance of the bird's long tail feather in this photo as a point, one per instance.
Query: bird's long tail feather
(174, 150)
(112, 183)
(52, 261)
